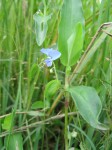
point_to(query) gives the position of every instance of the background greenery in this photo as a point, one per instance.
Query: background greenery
(22, 82)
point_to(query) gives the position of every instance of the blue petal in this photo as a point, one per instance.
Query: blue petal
(54, 54)
(48, 62)
(46, 51)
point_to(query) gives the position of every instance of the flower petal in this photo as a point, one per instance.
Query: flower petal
(48, 62)
(54, 54)
(46, 51)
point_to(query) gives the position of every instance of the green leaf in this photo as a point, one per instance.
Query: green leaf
(37, 104)
(35, 113)
(91, 52)
(71, 32)
(51, 88)
(14, 142)
(88, 104)
(75, 44)
(41, 26)
(34, 70)
(7, 122)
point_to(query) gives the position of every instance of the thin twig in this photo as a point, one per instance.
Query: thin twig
(88, 48)
(23, 128)
(23, 112)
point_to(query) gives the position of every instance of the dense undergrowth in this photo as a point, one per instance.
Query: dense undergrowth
(27, 115)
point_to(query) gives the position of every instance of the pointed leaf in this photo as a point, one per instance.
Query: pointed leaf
(70, 33)
(41, 26)
(88, 104)
(75, 45)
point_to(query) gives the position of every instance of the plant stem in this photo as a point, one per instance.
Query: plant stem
(55, 71)
(55, 102)
(66, 110)
(66, 125)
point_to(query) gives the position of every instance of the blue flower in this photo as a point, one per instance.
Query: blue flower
(51, 55)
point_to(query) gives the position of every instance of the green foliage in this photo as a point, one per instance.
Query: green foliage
(37, 104)
(7, 122)
(84, 61)
(14, 141)
(33, 72)
(41, 26)
(35, 113)
(75, 44)
(51, 88)
(88, 104)
(71, 32)
(24, 78)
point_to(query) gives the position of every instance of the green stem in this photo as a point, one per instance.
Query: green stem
(45, 7)
(66, 110)
(66, 126)
(55, 102)
(55, 71)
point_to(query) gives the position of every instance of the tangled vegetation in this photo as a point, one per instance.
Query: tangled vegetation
(55, 75)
